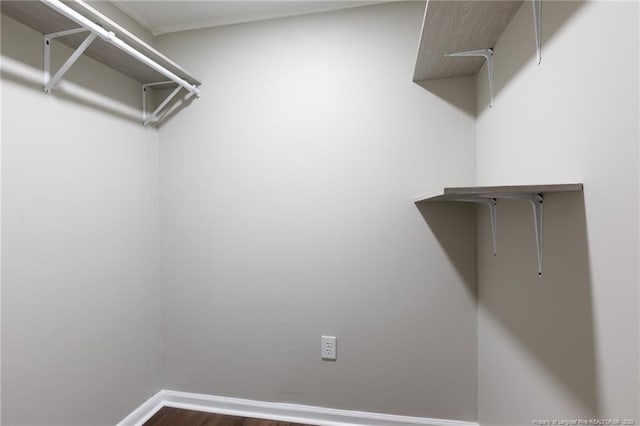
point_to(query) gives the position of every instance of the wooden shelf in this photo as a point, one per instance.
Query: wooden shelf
(489, 196)
(510, 191)
(456, 26)
(46, 20)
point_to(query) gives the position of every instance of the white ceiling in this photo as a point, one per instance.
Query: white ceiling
(161, 17)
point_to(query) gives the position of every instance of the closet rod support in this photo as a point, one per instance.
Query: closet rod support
(488, 55)
(50, 83)
(112, 39)
(153, 118)
(48, 38)
(144, 96)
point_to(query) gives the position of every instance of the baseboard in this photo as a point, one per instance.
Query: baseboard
(144, 412)
(294, 413)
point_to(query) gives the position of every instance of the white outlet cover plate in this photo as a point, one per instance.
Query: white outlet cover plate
(328, 348)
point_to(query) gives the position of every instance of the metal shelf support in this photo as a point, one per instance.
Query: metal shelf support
(537, 202)
(51, 82)
(161, 110)
(488, 55)
(111, 38)
(534, 194)
(155, 115)
(492, 204)
(537, 27)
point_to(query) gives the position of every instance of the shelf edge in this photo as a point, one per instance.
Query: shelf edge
(459, 193)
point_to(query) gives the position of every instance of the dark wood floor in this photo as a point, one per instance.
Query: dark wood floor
(177, 417)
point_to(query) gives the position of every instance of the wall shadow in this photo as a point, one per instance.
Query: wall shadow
(68, 96)
(552, 316)
(459, 92)
(454, 226)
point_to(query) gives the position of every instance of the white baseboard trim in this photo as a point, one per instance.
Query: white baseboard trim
(294, 413)
(144, 412)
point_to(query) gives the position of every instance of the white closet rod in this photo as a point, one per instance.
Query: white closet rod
(111, 38)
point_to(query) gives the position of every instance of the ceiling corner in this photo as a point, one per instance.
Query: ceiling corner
(122, 5)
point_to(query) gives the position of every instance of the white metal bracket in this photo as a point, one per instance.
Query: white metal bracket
(95, 30)
(492, 204)
(537, 27)
(51, 82)
(488, 55)
(111, 38)
(536, 201)
(155, 115)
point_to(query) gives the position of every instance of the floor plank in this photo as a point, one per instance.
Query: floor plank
(167, 416)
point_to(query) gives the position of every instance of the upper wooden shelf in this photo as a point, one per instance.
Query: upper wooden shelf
(46, 20)
(459, 25)
(474, 192)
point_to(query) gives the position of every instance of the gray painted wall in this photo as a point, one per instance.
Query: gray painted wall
(287, 213)
(80, 299)
(564, 346)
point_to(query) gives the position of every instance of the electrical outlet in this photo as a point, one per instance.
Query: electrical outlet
(328, 349)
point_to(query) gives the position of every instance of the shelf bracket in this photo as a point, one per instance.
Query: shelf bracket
(537, 27)
(154, 116)
(536, 201)
(488, 55)
(492, 204)
(51, 82)
(111, 38)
